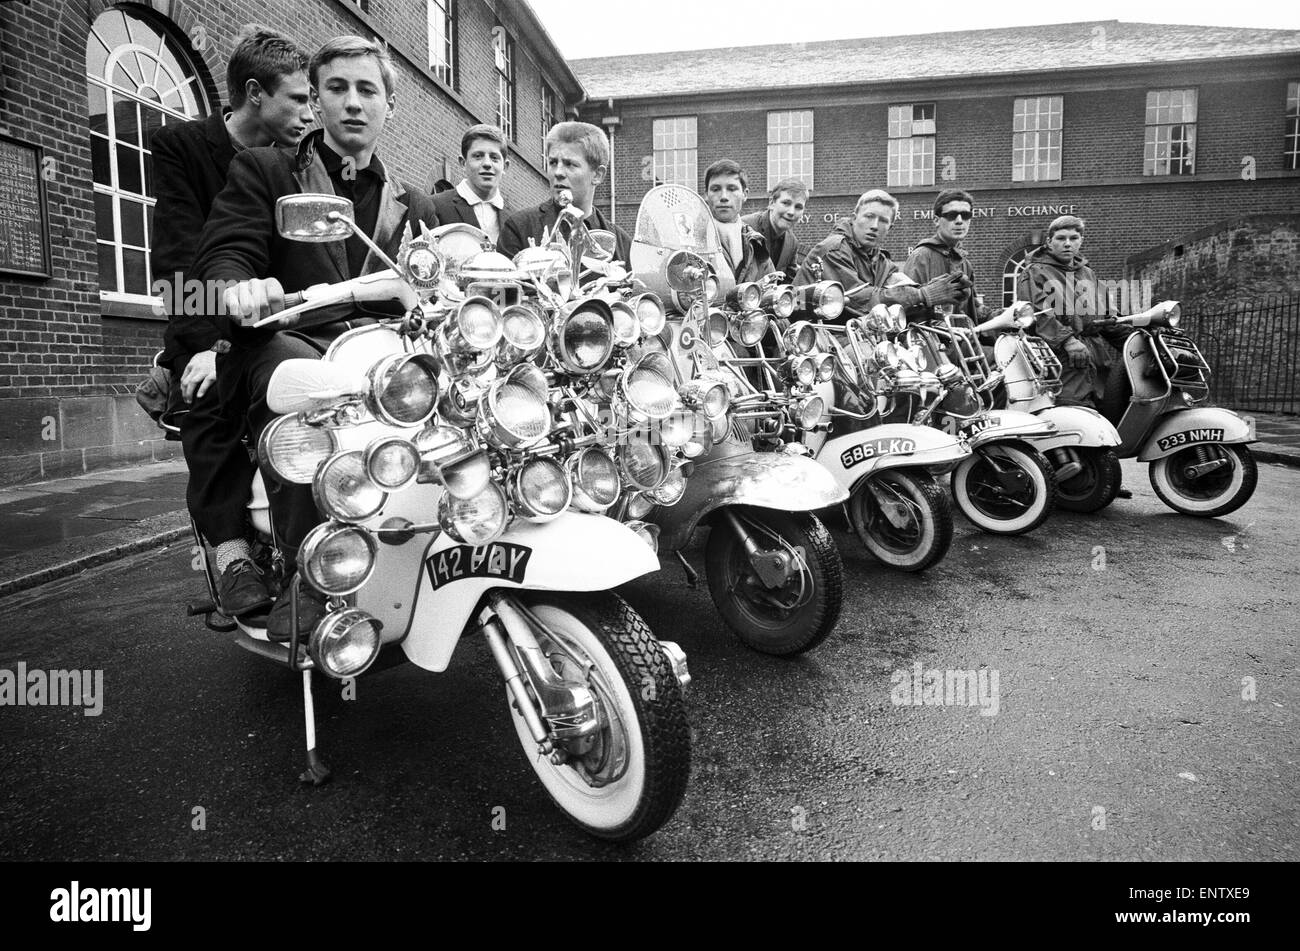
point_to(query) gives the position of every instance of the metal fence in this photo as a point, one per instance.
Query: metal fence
(1253, 349)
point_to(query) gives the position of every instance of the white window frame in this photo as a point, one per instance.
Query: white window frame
(675, 151)
(503, 59)
(1037, 130)
(790, 149)
(1291, 141)
(550, 106)
(911, 145)
(1170, 127)
(442, 40)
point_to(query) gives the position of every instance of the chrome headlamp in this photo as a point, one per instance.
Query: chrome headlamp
(642, 464)
(701, 440)
(392, 462)
(779, 301)
(450, 457)
(583, 338)
(801, 369)
(647, 385)
(709, 396)
(827, 299)
(292, 450)
(748, 296)
(638, 506)
(800, 337)
(627, 330)
(670, 490)
(826, 363)
(403, 388)
(514, 413)
(345, 643)
(809, 411)
(747, 329)
(594, 476)
(343, 489)
(540, 489)
(650, 313)
(337, 559)
(523, 335)
(676, 429)
(477, 520)
(715, 325)
(646, 532)
(474, 327)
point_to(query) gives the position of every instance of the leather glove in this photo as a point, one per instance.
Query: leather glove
(1078, 353)
(945, 289)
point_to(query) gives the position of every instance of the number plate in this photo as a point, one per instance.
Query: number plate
(874, 448)
(498, 560)
(1188, 438)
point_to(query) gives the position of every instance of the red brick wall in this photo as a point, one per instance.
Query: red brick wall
(58, 349)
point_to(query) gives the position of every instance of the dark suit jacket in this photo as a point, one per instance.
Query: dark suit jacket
(190, 162)
(782, 249)
(452, 207)
(531, 222)
(241, 243)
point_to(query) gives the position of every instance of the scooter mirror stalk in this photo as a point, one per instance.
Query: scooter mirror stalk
(313, 218)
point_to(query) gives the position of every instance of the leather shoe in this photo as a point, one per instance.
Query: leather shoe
(241, 590)
(1124, 494)
(311, 609)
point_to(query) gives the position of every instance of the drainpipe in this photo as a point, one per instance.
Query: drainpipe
(612, 122)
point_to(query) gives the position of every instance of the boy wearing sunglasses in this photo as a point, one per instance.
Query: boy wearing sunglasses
(941, 254)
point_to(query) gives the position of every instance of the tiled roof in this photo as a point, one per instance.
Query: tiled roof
(1027, 49)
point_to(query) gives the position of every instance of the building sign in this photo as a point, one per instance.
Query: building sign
(24, 229)
(990, 211)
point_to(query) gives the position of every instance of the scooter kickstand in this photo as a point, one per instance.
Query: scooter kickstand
(692, 576)
(316, 773)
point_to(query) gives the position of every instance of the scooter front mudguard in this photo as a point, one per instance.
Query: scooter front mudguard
(999, 425)
(425, 591)
(769, 480)
(1194, 427)
(1076, 426)
(853, 457)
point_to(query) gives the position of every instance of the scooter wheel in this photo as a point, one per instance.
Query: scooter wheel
(1095, 486)
(979, 491)
(1213, 494)
(924, 540)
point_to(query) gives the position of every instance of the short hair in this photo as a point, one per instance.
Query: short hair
(1064, 223)
(341, 47)
(490, 132)
(795, 187)
(880, 195)
(589, 138)
(726, 167)
(264, 55)
(952, 194)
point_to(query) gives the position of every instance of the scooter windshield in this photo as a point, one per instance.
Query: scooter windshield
(674, 217)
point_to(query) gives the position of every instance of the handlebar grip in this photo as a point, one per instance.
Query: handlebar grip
(294, 299)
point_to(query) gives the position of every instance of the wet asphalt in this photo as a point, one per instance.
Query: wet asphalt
(1147, 688)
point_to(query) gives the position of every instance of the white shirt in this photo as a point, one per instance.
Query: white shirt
(486, 210)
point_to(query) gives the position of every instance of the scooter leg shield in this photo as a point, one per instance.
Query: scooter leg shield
(1191, 427)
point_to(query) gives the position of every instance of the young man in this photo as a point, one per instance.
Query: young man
(577, 160)
(477, 200)
(1056, 278)
(853, 254)
(941, 254)
(725, 189)
(785, 207)
(352, 95)
(267, 79)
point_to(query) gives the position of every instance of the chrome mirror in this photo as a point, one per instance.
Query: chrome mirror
(313, 218)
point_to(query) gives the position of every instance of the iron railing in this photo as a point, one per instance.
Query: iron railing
(1253, 349)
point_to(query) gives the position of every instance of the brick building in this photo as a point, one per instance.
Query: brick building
(84, 84)
(1179, 145)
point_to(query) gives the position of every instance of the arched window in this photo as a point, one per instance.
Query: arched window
(1009, 274)
(139, 79)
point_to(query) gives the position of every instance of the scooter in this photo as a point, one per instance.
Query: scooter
(772, 568)
(453, 510)
(1200, 461)
(1006, 487)
(1082, 450)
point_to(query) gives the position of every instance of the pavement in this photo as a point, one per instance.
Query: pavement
(51, 530)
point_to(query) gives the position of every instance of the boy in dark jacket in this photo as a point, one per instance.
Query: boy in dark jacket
(725, 190)
(352, 94)
(477, 200)
(941, 254)
(785, 206)
(267, 79)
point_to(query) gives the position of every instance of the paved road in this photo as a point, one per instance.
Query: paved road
(1121, 645)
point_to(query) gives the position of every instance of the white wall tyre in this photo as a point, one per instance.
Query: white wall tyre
(630, 677)
(927, 536)
(1213, 494)
(984, 501)
(1095, 486)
